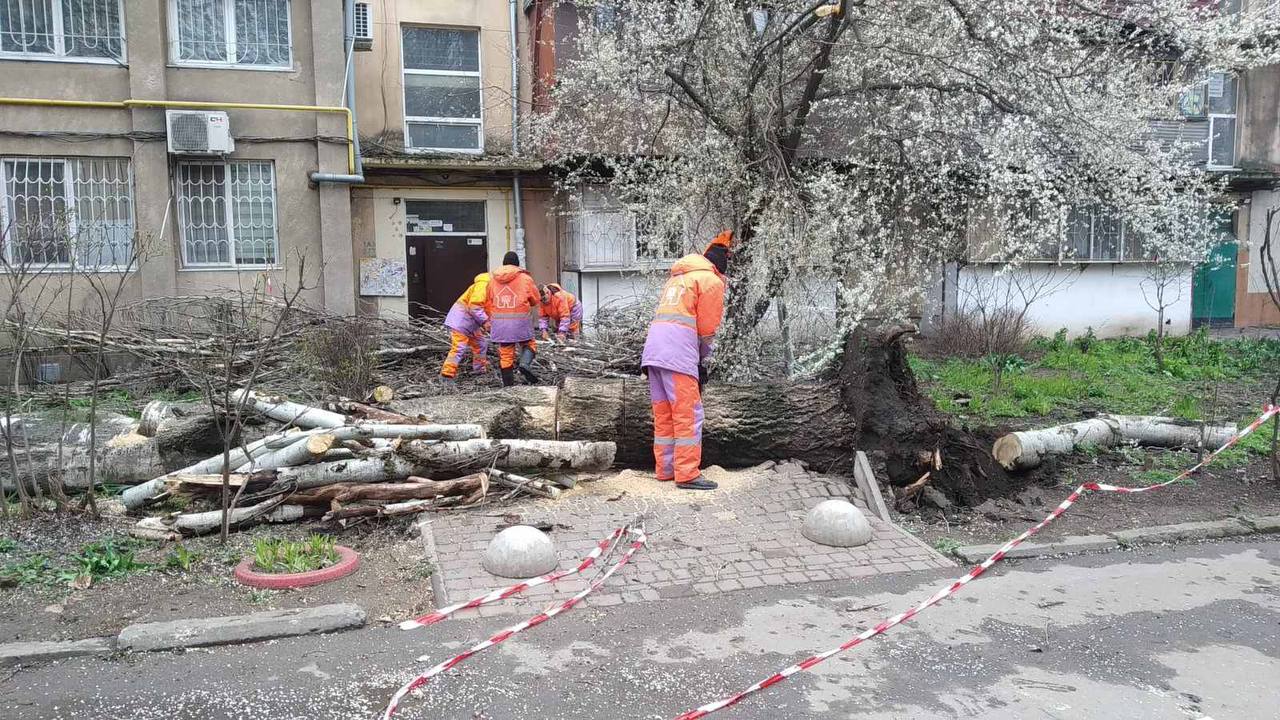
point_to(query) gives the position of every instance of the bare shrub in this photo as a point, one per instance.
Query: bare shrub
(339, 355)
(977, 335)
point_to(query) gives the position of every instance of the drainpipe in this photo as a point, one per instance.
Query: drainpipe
(515, 125)
(349, 91)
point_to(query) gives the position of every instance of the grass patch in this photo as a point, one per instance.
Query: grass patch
(273, 555)
(1119, 376)
(947, 546)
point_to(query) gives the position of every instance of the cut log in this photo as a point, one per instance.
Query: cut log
(427, 458)
(304, 449)
(131, 458)
(415, 489)
(303, 416)
(369, 412)
(1028, 448)
(202, 523)
(382, 394)
(471, 455)
(158, 413)
(519, 482)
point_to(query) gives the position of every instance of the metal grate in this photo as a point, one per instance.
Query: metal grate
(233, 32)
(62, 28)
(224, 207)
(60, 211)
(363, 26)
(189, 131)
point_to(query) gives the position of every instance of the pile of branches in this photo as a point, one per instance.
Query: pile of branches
(164, 342)
(349, 460)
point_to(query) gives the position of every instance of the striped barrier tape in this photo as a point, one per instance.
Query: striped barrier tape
(1268, 412)
(504, 593)
(638, 541)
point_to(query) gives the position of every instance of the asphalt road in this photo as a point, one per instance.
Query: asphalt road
(1167, 633)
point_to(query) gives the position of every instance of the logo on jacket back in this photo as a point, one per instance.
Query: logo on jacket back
(506, 299)
(672, 295)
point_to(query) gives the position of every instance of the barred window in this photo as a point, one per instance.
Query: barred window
(231, 32)
(74, 29)
(442, 89)
(227, 213)
(65, 212)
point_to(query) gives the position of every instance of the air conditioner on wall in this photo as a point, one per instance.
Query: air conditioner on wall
(199, 132)
(364, 27)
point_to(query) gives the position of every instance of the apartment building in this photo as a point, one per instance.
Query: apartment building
(200, 129)
(439, 94)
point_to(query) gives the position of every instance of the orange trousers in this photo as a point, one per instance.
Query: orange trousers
(677, 424)
(509, 353)
(459, 343)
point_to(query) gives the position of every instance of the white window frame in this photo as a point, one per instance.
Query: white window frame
(1208, 159)
(229, 210)
(59, 53)
(572, 233)
(69, 179)
(229, 20)
(478, 123)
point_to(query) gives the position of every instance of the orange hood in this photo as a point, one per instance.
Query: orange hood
(691, 263)
(508, 273)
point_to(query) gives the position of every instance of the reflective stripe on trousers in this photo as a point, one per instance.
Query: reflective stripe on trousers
(459, 343)
(677, 424)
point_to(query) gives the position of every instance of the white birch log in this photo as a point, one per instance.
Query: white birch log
(511, 454)
(1028, 448)
(206, 522)
(304, 449)
(519, 482)
(304, 416)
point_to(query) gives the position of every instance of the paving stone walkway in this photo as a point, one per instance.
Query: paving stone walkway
(744, 535)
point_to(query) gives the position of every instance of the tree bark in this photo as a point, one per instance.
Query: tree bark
(415, 489)
(1028, 448)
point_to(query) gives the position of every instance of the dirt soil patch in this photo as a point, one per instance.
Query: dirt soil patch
(1214, 494)
(392, 583)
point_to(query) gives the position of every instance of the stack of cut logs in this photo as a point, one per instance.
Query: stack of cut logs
(350, 460)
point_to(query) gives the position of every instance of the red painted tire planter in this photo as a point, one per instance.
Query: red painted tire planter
(348, 562)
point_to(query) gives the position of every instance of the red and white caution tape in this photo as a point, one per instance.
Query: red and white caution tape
(1268, 412)
(504, 593)
(638, 541)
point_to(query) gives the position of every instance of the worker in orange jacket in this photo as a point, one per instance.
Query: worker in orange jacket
(512, 298)
(561, 307)
(466, 322)
(675, 355)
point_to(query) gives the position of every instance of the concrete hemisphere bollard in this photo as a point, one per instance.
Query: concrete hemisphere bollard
(837, 523)
(520, 552)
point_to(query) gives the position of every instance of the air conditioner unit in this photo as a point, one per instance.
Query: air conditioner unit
(199, 132)
(364, 27)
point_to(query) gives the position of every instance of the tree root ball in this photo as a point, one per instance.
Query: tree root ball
(837, 523)
(520, 552)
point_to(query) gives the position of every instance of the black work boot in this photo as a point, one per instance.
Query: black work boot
(698, 483)
(508, 377)
(526, 366)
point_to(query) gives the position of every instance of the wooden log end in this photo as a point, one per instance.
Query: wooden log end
(1007, 450)
(320, 444)
(383, 394)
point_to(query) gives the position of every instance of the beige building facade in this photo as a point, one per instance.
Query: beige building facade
(86, 169)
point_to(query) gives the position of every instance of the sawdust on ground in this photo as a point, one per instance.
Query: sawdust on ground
(639, 484)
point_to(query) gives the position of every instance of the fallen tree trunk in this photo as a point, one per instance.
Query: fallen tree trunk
(1028, 448)
(868, 402)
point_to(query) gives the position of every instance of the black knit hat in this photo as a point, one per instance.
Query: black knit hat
(511, 258)
(719, 256)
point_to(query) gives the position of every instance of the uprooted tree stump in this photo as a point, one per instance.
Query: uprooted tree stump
(869, 402)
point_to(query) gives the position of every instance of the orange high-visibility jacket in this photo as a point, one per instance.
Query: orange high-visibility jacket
(512, 295)
(688, 316)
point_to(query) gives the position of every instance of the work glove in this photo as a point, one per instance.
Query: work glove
(702, 376)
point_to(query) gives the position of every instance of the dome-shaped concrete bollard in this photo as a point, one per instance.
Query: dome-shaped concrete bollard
(520, 552)
(837, 523)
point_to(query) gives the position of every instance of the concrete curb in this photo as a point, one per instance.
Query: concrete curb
(1182, 532)
(240, 628)
(439, 594)
(29, 653)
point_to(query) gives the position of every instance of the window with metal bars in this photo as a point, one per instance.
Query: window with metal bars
(442, 104)
(62, 213)
(227, 213)
(252, 33)
(81, 30)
